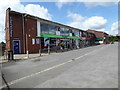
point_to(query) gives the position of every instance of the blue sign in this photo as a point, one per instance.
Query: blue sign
(11, 28)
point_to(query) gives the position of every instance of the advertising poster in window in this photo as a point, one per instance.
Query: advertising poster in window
(37, 41)
(71, 44)
(77, 43)
(70, 34)
(57, 32)
(46, 42)
(33, 41)
(57, 42)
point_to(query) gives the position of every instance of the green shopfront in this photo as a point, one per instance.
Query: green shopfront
(55, 37)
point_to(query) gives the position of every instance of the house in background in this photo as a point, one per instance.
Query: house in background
(101, 37)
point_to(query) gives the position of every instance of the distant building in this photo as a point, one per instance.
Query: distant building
(101, 37)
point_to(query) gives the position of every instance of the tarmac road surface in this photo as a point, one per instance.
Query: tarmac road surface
(91, 67)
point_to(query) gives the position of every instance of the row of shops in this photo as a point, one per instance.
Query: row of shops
(56, 44)
(26, 33)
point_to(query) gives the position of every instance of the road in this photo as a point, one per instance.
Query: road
(91, 67)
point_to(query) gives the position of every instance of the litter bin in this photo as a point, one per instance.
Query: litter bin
(10, 55)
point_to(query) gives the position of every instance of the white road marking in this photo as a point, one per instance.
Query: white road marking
(15, 81)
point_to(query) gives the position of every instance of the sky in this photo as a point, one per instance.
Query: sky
(101, 16)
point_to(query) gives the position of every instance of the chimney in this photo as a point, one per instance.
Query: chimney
(9, 9)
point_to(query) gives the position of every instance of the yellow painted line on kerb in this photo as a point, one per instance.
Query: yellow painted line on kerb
(15, 81)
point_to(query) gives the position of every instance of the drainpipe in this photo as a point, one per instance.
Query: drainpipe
(23, 22)
(23, 33)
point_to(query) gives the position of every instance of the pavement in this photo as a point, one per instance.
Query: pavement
(91, 67)
(22, 57)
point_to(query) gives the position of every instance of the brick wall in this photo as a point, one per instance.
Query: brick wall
(18, 33)
(31, 33)
(17, 30)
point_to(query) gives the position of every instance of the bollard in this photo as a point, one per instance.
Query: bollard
(40, 52)
(49, 49)
(27, 54)
(5, 55)
(11, 54)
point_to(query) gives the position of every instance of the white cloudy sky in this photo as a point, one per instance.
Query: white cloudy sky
(100, 16)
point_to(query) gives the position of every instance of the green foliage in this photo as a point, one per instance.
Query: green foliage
(113, 38)
(3, 44)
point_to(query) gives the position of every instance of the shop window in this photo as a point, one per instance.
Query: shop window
(33, 41)
(70, 32)
(89, 35)
(48, 29)
(58, 30)
(52, 29)
(52, 43)
(80, 33)
(37, 41)
(76, 33)
(61, 31)
(64, 31)
(46, 42)
(38, 28)
(44, 28)
(84, 34)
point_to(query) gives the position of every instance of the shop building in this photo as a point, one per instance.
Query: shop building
(27, 33)
(101, 37)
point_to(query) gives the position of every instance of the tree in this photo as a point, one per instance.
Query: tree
(3, 44)
(113, 38)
